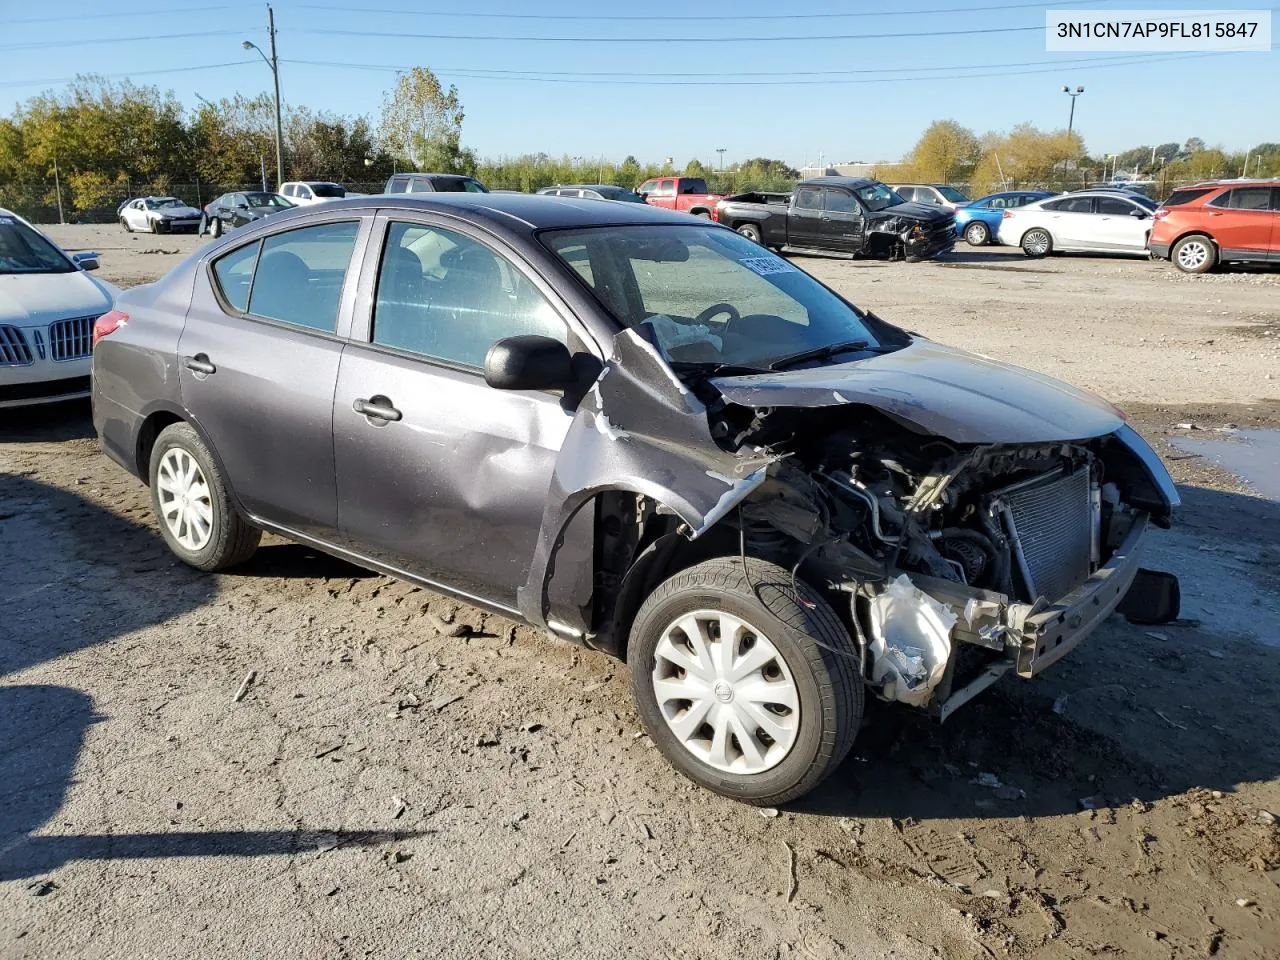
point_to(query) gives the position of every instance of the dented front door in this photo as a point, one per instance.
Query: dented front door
(452, 491)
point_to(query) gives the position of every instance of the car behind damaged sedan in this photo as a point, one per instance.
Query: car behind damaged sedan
(645, 434)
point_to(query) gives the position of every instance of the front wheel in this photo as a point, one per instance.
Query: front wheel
(746, 680)
(125, 223)
(215, 228)
(193, 505)
(1194, 254)
(751, 231)
(1037, 243)
(977, 234)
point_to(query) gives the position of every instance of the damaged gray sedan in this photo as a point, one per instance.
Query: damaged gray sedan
(646, 435)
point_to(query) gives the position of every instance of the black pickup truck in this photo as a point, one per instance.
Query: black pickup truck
(853, 216)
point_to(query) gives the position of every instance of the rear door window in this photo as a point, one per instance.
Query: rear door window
(906, 193)
(300, 274)
(1115, 207)
(398, 185)
(808, 198)
(1071, 205)
(1251, 198)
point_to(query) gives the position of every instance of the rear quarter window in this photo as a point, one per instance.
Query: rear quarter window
(233, 273)
(1180, 197)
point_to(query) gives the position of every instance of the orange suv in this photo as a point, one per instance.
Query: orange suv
(1226, 221)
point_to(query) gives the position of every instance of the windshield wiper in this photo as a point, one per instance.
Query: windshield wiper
(715, 368)
(823, 352)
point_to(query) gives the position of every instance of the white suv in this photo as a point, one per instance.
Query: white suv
(306, 192)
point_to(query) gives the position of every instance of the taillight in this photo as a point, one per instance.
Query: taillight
(1006, 214)
(107, 324)
(1160, 214)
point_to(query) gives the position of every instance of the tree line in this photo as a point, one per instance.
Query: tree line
(96, 142)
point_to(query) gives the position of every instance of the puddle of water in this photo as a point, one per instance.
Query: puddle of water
(1252, 455)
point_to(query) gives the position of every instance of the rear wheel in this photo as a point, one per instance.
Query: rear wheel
(1194, 254)
(746, 680)
(125, 223)
(192, 503)
(751, 231)
(1037, 243)
(977, 234)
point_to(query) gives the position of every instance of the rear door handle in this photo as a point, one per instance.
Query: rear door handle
(200, 365)
(377, 408)
(1214, 213)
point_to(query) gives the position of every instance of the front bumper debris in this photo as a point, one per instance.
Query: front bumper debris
(1023, 637)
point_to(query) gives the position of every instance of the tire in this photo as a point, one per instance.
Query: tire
(215, 228)
(751, 231)
(214, 537)
(814, 664)
(155, 226)
(1037, 243)
(1194, 254)
(704, 214)
(125, 223)
(977, 234)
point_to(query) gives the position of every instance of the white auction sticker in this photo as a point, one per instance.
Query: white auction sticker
(1148, 31)
(767, 266)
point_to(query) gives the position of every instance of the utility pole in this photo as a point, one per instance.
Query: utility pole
(720, 150)
(57, 186)
(274, 64)
(1071, 119)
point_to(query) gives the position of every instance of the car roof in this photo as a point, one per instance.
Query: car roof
(834, 181)
(1238, 182)
(584, 186)
(522, 212)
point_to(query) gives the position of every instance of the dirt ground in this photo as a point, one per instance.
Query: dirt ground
(379, 789)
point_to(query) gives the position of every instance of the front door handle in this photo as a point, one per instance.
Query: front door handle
(200, 365)
(377, 408)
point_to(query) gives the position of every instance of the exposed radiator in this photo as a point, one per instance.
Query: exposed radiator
(1050, 519)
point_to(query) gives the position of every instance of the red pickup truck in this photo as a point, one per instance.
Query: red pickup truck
(687, 194)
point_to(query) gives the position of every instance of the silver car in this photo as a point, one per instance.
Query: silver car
(48, 305)
(158, 215)
(1088, 221)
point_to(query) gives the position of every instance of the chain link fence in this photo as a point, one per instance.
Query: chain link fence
(38, 202)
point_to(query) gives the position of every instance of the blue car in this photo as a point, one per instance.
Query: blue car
(978, 221)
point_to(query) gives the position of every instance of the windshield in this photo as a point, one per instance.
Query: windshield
(22, 250)
(876, 196)
(164, 203)
(711, 297)
(952, 194)
(327, 190)
(273, 200)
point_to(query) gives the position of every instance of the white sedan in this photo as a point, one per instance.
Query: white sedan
(48, 305)
(303, 193)
(159, 215)
(1088, 221)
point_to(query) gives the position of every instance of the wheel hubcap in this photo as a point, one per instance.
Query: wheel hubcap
(185, 504)
(725, 692)
(1037, 243)
(1192, 255)
(976, 234)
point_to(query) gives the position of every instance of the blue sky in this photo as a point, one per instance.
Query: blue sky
(838, 94)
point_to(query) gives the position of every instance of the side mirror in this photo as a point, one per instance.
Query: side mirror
(528, 362)
(85, 261)
(1140, 214)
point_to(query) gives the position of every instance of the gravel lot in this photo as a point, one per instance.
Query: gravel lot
(381, 790)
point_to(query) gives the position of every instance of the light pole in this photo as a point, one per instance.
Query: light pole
(1071, 120)
(721, 150)
(274, 64)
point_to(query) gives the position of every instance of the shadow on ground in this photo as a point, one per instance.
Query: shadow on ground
(48, 423)
(75, 576)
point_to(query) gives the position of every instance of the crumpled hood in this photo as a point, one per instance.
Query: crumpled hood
(943, 391)
(913, 211)
(36, 298)
(176, 212)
